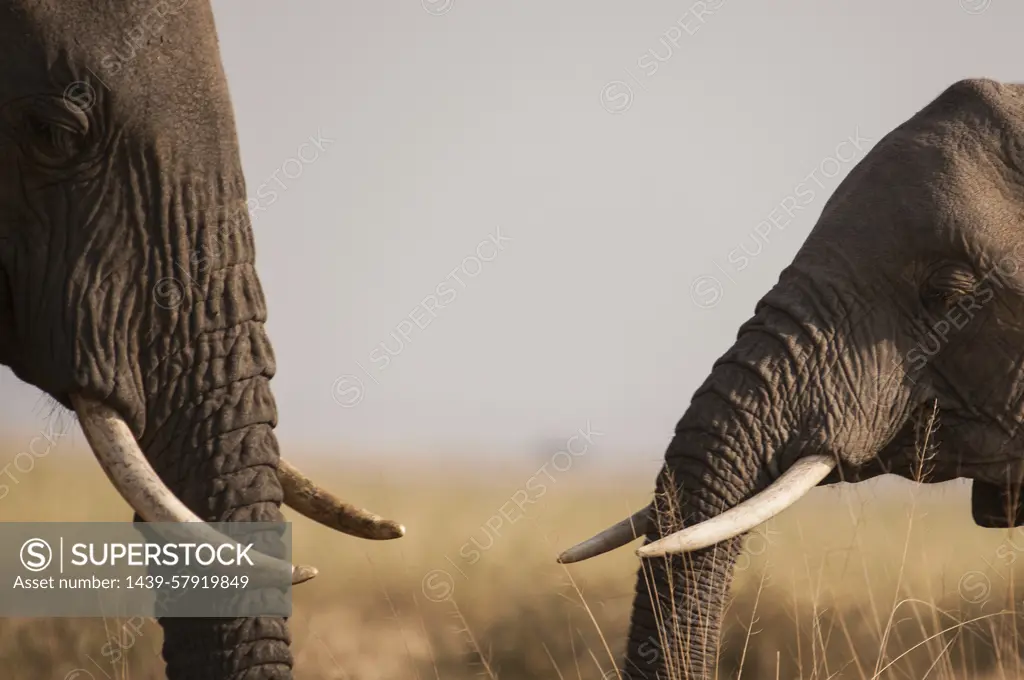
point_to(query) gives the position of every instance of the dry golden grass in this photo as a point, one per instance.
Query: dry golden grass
(851, 583)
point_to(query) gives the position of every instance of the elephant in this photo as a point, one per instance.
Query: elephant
(891, 344)
(121, 183)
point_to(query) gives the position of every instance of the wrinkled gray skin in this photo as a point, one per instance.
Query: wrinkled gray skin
(102, 203)
(908, 295)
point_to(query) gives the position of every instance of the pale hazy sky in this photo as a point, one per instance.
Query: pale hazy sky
(623, 152)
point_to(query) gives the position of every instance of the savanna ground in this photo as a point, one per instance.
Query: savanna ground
(857, 582)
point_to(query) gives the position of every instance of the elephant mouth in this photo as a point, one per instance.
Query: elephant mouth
(126, 466)
(806, 473)
(913, 452)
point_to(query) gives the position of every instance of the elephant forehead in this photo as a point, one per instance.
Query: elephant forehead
(159, 61)
(946, 183)
(977, 131)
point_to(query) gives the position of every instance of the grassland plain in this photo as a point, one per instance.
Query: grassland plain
(873, 581)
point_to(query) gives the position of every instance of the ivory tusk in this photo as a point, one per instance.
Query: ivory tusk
(119, 455)
(304, 496)
(613, 537)
(803, 476)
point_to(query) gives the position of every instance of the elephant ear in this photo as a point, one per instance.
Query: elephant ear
(995, 506)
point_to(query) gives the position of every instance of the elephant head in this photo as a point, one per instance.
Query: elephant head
(127, 285)
(900, 318)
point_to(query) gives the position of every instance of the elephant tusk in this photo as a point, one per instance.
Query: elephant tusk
(304, 496)
(138, 483)
(613, 537)
(803, 476)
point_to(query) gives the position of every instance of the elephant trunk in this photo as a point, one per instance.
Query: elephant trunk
(232, 479)
(731, 443)
(677, 606)
(210, 415)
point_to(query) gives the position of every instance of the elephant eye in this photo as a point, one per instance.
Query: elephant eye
(947, 284)
(51, 141)
(54, 131)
